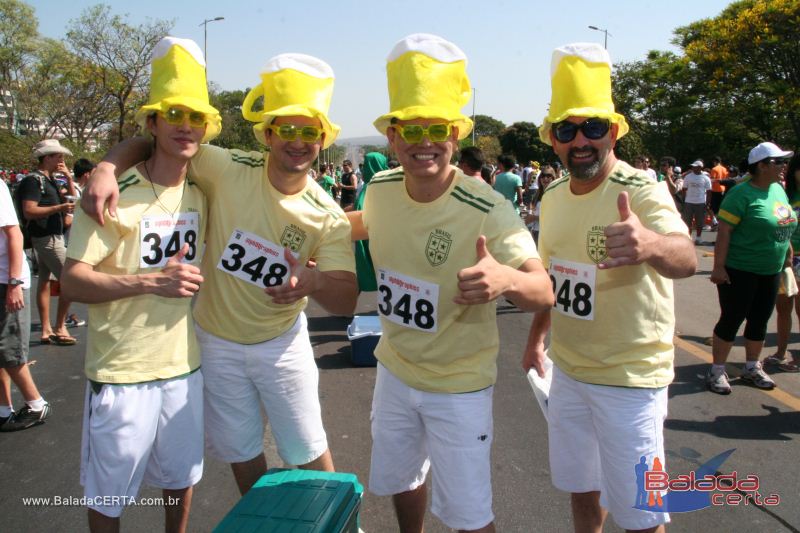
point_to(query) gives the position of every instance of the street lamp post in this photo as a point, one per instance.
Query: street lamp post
(204, 24)
(474, 95)
(606, 34)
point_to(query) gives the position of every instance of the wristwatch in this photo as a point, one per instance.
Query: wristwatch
(15, 281)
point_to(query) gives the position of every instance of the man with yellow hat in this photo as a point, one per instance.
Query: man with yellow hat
(445, 247)
(267, 219)
(612, 241)
(143, 415)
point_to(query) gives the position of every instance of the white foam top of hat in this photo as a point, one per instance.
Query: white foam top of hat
(589, 52)
(306, 64)
(163, 46)
(431, 45)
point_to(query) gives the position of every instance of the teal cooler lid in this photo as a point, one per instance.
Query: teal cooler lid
(296, 500)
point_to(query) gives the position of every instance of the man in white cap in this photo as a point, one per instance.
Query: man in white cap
(612, 241)
(697, 188)
(45, 212)
(267, 219)
(446, 246)
(143, 413)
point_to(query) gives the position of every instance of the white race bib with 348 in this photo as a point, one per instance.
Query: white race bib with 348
(574, 288)
(407, 301)
(163, 236)
(255, 260)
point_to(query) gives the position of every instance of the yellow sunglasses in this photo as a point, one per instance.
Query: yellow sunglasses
(177, 116)
(413, 133)
(290, 132)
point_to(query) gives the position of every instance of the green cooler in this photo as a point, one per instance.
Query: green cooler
(297, 501)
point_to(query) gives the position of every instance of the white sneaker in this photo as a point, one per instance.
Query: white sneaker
(718, 383)
(758, 377)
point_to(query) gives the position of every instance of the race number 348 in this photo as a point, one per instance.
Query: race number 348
(574, 288)
(408, 301)
(255, 260)
(163, 236)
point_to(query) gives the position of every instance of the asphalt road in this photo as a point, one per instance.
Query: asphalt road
(763, 427)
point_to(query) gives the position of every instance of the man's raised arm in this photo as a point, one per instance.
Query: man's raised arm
(102, 188)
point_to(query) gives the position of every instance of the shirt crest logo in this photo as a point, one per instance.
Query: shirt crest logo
(596, 244)
(293, 238)
(438, 247)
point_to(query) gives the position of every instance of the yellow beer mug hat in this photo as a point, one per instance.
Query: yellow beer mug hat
(581, 86)
(427, 78)
(292, 85)
(178, 77)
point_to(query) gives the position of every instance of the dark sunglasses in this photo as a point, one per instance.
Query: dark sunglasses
(593, 129)
(777, 161)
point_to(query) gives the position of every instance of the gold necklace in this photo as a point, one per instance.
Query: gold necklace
(180, 202)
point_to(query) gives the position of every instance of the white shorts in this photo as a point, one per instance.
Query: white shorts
(282, 375)
(597, 436)
(146, 432)
(452, 434)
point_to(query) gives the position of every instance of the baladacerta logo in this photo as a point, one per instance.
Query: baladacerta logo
(701, 488)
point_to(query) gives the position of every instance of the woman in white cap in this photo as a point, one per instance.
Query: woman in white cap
(752, 249)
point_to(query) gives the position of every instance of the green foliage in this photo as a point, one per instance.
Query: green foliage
(521, 139)
(486, 126)
(18, 34)
(123, 52)
(236, 131)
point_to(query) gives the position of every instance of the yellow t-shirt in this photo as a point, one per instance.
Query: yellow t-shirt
(145, 337)
(242, 202)
(429, 342)
(622, 337)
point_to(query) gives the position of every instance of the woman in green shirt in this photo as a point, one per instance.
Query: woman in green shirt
(752, 249)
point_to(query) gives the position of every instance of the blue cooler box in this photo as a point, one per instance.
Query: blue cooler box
(364, 333)
(295, 501)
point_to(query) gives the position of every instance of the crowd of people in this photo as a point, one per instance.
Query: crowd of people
(197, 263)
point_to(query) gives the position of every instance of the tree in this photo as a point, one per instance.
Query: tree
(66, 96)
(236, 131)
(750, 57)
(486, 126)
(521, 139)
(490, 147)
(18, 35)
(122, 50)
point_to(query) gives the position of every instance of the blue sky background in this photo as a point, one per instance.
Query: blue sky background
(508, 43)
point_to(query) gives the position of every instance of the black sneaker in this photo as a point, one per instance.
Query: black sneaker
(26, 418)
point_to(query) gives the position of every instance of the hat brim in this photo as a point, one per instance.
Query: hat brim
(49, 150)
(462, 122)
(213, 128)
(331, 130)
(615, 118)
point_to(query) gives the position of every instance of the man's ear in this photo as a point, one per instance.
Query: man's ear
(614, 132)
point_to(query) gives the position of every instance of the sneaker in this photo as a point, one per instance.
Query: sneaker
(697, 240)
(74, 322)
(758, 377)
(25, 418)
(706, 228)
(718, 383)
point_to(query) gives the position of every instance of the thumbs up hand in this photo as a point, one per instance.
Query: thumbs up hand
(628, 242)
(177, 279)
(484, 281)
(301, 281)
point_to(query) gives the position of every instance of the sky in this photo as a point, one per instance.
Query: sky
(508, 43)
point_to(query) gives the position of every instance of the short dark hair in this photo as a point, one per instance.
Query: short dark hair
(717, 159)
(472, 156)
(507, 161)
(486, 174)
(347, 162)
(82, 166)
(668, 160)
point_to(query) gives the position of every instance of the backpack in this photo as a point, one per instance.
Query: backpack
(27, 244)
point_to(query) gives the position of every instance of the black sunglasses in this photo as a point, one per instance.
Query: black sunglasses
(593, 129)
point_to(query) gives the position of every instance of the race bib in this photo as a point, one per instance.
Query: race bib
(164, 235)
(407, 301)
(574, 288)
(255, 260)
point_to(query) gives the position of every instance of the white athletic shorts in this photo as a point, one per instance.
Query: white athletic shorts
(282, 375)
(597, 436)
(148, 433)
(452, 434)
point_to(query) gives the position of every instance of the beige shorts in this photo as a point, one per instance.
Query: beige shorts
(51, 253)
